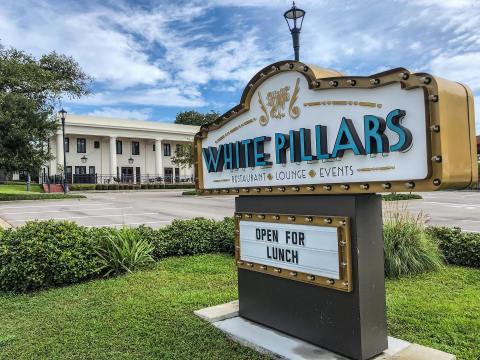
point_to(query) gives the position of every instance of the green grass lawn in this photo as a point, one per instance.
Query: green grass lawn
(149, 314)
(20, 189)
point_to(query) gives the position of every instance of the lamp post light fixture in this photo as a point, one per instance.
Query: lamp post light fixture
(65, 184)
(294, 18)
(84, 159)
(130, 161)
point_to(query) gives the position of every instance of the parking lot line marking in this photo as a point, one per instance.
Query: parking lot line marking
(135, 223)
(62, 211)
(86, 217)
(51, 205)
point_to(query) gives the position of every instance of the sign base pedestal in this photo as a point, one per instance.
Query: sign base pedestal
(349, 323)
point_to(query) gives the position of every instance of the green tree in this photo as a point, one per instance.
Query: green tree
(185, 154)
(30, 89)
(192, 117)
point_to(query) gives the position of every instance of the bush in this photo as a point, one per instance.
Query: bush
(400, 196)
(189, 192)
(46, 254)
(82, 187)
(112, 187)
(123, 251)
(458, 247)
(37, 196)
(409, 249)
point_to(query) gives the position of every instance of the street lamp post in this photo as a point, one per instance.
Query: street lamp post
(65, 184)
(294, 18)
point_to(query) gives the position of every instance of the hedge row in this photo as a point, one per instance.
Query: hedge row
(44, 254)
(37, 196)
(400, 196)
(458, 247)
(88, 187)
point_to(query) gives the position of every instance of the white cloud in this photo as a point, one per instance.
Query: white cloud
(140, 114)
(462, 68)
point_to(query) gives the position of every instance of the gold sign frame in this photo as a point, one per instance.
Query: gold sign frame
(341, 223)
(451, 142)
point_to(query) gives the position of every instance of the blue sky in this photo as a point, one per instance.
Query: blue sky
(152, 59)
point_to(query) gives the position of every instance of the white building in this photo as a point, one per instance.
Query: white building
(104, 150)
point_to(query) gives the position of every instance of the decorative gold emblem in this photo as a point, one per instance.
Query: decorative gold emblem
(294, 111)
(312, 173)
(276, 101)
(270, 176)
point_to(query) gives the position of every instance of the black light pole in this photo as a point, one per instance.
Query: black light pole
(65, 184)
(294, 18)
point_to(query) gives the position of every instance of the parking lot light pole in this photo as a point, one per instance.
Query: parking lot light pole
(294, 18)
(65, 184)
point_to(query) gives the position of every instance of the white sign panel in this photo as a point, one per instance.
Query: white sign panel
(293, 135)
(303, 248)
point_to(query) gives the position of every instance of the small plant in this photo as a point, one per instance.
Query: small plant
(189, 192)
(400, 196)
(124, 251)
(409, 249)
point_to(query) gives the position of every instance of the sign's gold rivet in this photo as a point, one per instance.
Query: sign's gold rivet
(305, 68)
(248, 216)
(345, 283)
(293, 273)
(263, 267)
(327, 220)
(351, 82)
(331, 282)
(239, 262)
(404, 76)
(410, 184)
(435, 128)
(327, 187)
(275, 217)
(295, 188)
(245, 190)
(291, 218)
(237, 231)
(261, 216)
(342, 222)
(333, 83)
(262, 75)
(437, 158)
(238, 216)
(225, 190)
(290, 66)
(374, 81)
(277, 270)
(317, 83)
(249, 264)
(311, 277)
(310, 188)
(365, 186)
(308, 219)
(281, 188)
(235, 191)
(387, 186)
(343, 243)
(433, 98)
(257, 189)
(437, 182)
(345, 186)
(426, 80)
(344, 264)
(250, 85)
(269, 189)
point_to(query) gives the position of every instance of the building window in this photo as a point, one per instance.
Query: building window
(67, 144)
(81, 145)
(153, 147)
(135, 148)
(91, 170)
(167, 150)
(96, 144)
(80, 170)
(119, 147)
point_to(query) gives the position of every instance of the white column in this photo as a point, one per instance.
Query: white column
(134, 174)
(59, 153)
(158, 157)
(113, 156)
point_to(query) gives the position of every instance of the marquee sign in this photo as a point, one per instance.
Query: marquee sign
(311, 249)
(299, 129)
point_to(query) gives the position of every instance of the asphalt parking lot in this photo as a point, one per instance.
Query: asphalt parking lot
(159, 208)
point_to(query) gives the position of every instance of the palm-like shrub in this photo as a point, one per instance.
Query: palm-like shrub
(409, 249)
(124, 251)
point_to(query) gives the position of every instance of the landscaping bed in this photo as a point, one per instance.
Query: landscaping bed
(13, 192)
(149, 314)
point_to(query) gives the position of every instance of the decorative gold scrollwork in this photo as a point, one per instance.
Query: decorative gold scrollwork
(276, 101)
(294, 111)
(263, 118)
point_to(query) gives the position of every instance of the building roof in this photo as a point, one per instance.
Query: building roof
(138, 125)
